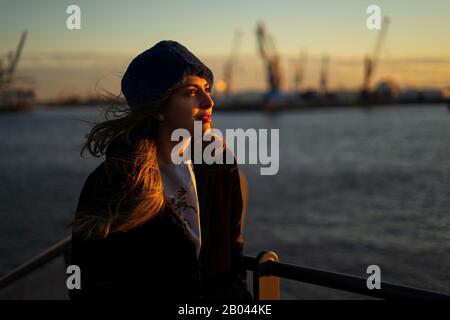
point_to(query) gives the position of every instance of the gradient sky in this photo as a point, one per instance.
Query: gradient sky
(419, 29)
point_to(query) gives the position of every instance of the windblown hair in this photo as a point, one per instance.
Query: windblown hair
(140, 196)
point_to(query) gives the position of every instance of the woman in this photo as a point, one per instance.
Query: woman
(145, 227)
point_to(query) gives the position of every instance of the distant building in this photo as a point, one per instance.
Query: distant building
(424, 95)
(387, 90)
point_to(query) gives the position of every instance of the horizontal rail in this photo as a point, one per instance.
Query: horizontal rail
(339, 281)
(49, 254)
(278, 269)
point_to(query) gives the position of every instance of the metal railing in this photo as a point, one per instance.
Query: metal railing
(49, 254)
(267, 271)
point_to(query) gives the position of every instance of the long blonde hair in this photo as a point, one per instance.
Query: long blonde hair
(141, 196)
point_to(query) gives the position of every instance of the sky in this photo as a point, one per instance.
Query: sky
(113, 32)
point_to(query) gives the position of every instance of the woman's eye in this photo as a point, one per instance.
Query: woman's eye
(192, 92)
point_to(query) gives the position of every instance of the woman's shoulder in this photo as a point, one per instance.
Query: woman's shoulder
(99, 190)
(105, 175)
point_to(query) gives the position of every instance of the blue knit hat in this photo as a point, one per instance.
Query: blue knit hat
(153, 72)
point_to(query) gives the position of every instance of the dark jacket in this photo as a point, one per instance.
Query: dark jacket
(158, 260)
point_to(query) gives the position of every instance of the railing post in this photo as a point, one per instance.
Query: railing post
(265, 287)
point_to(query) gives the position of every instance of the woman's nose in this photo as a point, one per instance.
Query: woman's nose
(207, 101)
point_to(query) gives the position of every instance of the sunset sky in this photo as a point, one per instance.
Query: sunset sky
(62, 61)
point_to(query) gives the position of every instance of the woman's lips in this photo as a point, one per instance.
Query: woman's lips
(206, 118)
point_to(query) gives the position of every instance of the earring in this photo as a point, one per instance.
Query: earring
(160, 117)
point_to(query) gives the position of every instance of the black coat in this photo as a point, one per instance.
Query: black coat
(158, 260)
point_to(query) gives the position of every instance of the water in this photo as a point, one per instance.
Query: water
(355, 188)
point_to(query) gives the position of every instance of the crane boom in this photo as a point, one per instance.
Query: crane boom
(371, 62)
(380, 41)
(228, 68)
(268, 53)
(323, 81)
(15, 58)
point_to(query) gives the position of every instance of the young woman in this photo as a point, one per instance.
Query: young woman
(144, 226)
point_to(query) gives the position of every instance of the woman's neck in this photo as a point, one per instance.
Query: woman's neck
(165, 145)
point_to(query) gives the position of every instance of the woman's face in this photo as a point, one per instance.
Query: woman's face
(191, 102)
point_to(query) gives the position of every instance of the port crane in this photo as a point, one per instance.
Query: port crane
(271, 59)
(299, 71)
(12, 96)
(6, 74)
(371, 62)
(323, 80)
(230, 64)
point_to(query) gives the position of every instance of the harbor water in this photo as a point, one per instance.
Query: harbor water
(355, 187)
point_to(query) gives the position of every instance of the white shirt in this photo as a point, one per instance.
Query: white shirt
(180, 189)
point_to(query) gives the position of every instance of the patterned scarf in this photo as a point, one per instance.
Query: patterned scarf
(180, 189)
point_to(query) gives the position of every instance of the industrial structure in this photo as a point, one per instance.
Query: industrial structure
(230, 65)
(14, 97)
(271, 60)
(371, 63)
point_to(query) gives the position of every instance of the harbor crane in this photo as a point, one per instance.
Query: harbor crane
(271, 59)
(6, 74)
(230, 64)
(323, 80)
(299, 71)
(372, 62)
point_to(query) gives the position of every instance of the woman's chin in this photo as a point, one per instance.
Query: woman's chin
(206, 126)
